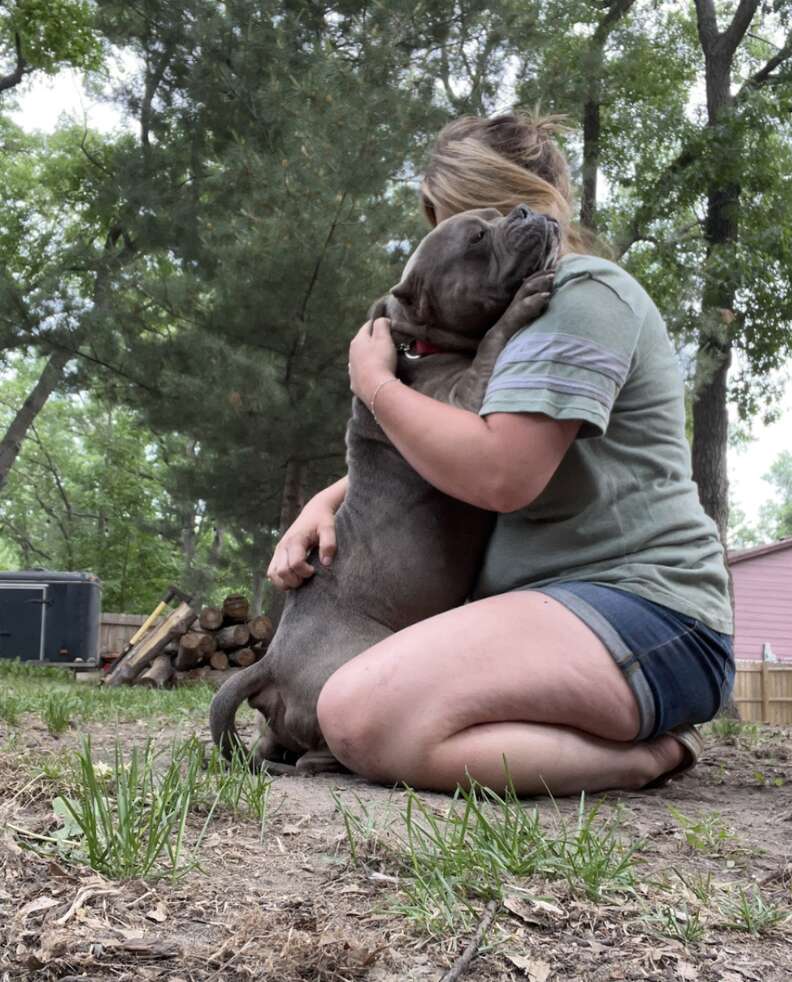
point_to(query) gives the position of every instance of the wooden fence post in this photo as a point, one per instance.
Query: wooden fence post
(765, 680)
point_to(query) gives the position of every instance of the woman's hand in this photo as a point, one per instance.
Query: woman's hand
(315, 526)
(372, 358)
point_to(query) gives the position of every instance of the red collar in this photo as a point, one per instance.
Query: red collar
(426, 348)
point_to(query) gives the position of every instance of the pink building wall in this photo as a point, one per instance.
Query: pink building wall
(763, 601)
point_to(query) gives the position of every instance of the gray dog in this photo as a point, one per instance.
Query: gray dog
(406, 551)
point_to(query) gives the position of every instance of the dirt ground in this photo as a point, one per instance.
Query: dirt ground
(295, 907)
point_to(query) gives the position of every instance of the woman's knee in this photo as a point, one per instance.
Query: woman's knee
(352, 726)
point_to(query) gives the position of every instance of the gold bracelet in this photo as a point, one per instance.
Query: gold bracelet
(376, 393)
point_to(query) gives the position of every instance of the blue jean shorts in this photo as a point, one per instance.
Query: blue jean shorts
(680, 670)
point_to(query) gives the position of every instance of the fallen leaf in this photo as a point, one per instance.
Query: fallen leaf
(536, 969)
(158, 913)
(687, 971)
(40, 903)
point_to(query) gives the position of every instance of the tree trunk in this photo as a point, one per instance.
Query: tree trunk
(710, 438)
(293, 497)
(31, 407)
(292, 500)
(592, 123)
(721, 230)
(259, 584)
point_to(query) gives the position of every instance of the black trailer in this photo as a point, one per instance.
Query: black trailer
(50, 618)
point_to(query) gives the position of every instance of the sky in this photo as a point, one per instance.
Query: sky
(43, 100)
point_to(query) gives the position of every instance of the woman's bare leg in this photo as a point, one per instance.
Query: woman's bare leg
(515, 676)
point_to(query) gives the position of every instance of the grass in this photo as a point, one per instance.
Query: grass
(482, 846)
(55, 696)
(707, 834)
(57, 712)
(128, 817)
(679, 923)
(10, 709)
(750, 911)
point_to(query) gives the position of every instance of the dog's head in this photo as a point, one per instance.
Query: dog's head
(464, 273)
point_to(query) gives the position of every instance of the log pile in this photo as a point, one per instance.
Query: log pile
(210, 646)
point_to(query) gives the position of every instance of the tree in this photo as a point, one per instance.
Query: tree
(46, 35)
(90, 494)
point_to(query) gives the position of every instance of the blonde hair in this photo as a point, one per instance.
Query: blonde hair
(502, 162)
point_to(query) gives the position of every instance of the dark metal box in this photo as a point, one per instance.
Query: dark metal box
(50, 617)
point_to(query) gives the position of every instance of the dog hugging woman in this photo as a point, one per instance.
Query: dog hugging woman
(600, 628)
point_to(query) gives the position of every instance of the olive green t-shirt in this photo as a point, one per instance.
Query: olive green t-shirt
(622, 509)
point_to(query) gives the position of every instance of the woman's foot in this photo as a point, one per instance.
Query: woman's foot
(677, 752)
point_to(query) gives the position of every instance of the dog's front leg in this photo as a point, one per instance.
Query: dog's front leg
(529, 302)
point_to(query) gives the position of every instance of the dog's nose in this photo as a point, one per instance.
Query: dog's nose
(523, 211)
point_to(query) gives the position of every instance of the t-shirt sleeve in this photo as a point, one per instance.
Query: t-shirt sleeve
(572, 362)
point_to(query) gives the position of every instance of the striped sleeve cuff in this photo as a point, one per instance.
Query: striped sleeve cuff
(560, 375)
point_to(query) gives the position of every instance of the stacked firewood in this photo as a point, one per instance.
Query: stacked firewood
(219, 642)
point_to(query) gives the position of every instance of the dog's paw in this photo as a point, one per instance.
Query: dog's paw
(530, 301)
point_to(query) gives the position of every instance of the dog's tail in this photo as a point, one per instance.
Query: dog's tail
(228, 699)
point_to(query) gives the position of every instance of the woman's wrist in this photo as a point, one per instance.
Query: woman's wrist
(333, 496)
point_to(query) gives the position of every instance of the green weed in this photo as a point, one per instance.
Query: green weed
(701, 885)
(750, 912)
(10, 709)
(480, 845)
(679, 923)
(57, 712)
(234, 785)
(128, 818)
(707, 834)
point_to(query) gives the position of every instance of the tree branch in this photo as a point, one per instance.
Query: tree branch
(764, 76)
(735, 32)
(22, 68)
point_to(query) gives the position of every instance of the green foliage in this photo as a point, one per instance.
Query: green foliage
(52, 33)
(749, 911)
(774, 520)
(208, 266)
(482, 847)
(128, 819)
(57, 713)
(29, 687)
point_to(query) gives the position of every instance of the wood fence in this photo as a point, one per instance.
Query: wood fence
(763, 691)
(115, 630)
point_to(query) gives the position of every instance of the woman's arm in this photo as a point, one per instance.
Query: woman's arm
(500, 462)
(313, 528)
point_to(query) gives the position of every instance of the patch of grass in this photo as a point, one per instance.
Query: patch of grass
(32, 687)
(679, 923)
(701, 885)
(707, 833)
(725, 727)
(10, 709)
(750, 912)
(481, 845)
(234, 785)
(57, 711)
(128, 818)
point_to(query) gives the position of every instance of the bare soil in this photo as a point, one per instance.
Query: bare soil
(295, 907)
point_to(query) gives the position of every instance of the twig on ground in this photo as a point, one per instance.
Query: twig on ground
(460, 965)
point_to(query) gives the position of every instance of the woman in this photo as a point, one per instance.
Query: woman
(600, 629)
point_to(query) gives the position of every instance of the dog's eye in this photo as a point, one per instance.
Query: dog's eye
(478, 236)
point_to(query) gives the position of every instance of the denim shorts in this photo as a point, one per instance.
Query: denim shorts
(680, 670)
